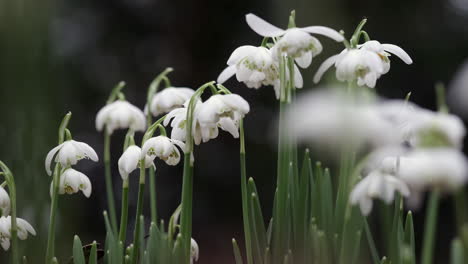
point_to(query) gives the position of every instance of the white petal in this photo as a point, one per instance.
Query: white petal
(87, 150)
(262, 27)
(226, 74)
(298, 81)
(26, 226)
(240, 53)
(399, 52)
(324, 67)
(325, 31)
(229, 125)
(5, 242)
(305, 60)
(366, 205)
(49, 158)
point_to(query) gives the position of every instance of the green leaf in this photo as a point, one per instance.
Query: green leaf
(409, 236)
(78, 256)
(237, 254)
(93, 254)
(457, 255)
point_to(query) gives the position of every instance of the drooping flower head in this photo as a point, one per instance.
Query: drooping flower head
(364, 64)
(120, 115)
(73, 181)
(164, 148)
(4, 202)
(194, 251)
(224, 111)
(69, 153)
(169, 99)
(378, 184)
(130, 159)
(256, 67)
(24, 228)
(295, 42)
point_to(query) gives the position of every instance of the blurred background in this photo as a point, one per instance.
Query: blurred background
(59, 56)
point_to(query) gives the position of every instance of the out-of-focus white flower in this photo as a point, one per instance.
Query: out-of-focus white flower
(333, 121)
(130, 159)
(73, 181)
(376, 185)
(194, 251)
(445, 169)
(458, 91)
(224, 111)
(69, 153)
(255, 66)
(4, 202)
(5, 230)
(163, 148)
(295, 42)
(365, 64)
(169, 99)
(360, 65)
(120, 115)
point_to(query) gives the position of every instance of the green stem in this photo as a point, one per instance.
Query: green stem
(245, 202)
(124, 213)
(53, 212)
(14, 228)
(153, 198)
(139, 212)
(370, 241)
(108, 179)
(186, 214)
(430, 228)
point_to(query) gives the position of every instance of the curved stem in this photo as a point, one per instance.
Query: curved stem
(108, 180)
(115, 92)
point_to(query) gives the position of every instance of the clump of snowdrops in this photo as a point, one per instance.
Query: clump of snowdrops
(391, 153)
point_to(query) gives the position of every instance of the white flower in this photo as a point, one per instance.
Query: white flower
(384, 50)
(224, 111)
(5, 230)
(365, 64)
(163, 148)
(376, 185)
(441, 168)
(120, 115)
(169, 99)
(295, 42)
(69, 153)
(4, 202)
(194, 251)
(255, 66)
(130, 159)
(178, 124)
(73, 181)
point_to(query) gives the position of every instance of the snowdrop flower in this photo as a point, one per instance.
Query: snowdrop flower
(179, 122)
(377, 184)
(129, 161)
(5, 230)
(194, 251)
(73, 181)
(256, 66)
(120, 115)
(4, 202)
(441, 168)
(295, 42)
(384, 50)
(69, 153)
(360, 65)
(331, 120)
(224, 111)
(169, 99)
(364, 64)
(163, 148)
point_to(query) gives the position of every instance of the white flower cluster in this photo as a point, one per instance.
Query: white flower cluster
(259, 66)
(411, 149)
(5, 222)
(67, 154)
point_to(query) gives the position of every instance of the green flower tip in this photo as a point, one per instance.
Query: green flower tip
(254, 196)
(251, 180)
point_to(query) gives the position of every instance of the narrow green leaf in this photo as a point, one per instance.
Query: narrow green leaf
(457, 255)
(237, 254)
(78, 256)
(93, 254)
